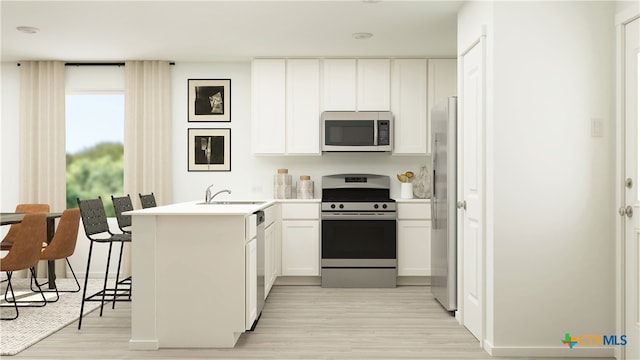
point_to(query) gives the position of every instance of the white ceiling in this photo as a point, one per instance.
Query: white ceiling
(225, 30)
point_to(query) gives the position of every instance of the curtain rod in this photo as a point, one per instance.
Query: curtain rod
(99, 64)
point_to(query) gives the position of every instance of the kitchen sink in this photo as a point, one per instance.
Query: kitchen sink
(233, 202)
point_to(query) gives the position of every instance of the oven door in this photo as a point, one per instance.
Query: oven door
(357, 242)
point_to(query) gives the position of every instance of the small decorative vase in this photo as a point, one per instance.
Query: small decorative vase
(406, 190)
(422, 184)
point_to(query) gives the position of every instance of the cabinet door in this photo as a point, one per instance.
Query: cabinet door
(442, 84)
(303, 106)
(374, 90)
(269, 259)
(268, 106)
(414, 248)
(339, 84)
(251, 283)
(300, 248)
(409, 106)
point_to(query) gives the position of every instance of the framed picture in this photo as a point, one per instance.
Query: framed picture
(209, 99)
(209, 149)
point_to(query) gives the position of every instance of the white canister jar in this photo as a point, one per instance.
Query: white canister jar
(282, 184)
(305, 187)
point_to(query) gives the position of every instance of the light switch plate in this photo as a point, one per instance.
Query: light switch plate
(597, 127)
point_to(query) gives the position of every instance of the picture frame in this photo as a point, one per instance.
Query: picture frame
(209, 149)
(209, 100)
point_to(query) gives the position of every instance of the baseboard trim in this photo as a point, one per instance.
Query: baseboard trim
(298, 280)
(144, 345)
(414, 280)
(317, 280)
(549, 351)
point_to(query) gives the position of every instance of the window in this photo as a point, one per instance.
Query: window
(95, 147)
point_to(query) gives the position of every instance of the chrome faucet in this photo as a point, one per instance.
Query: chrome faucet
(208, 197)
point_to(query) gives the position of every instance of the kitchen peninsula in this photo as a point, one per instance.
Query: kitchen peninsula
(188, 264)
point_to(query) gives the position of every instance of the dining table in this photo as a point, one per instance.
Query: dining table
(14, 218)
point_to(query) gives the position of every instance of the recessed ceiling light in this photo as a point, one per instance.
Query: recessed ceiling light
(362, 35)
(27, 29)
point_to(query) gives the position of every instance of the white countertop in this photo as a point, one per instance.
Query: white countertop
(414, 200)
(240, 207)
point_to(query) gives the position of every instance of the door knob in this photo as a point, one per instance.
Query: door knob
(626, 211)
(462, 204)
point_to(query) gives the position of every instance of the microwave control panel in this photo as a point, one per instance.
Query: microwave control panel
(383, 132)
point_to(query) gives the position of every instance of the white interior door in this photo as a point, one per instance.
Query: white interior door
(631, 206)
(470, 165)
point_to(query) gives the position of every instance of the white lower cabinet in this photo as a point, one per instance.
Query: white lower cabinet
(414, 239)
(300, 248)
(301, 239)
(414, 247)
(251, 283)
(270, 268)
(271, 247)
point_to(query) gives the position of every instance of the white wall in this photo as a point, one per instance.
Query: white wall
(550, 183)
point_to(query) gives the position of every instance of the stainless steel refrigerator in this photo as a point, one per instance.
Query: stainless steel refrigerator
(443, 203)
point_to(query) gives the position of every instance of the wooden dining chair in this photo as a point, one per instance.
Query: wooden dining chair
(62, 246)
(25, 254)
(14, 229)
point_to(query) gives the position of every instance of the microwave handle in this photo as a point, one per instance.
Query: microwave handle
(375, 132)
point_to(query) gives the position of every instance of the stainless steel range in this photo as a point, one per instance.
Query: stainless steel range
(358, 231)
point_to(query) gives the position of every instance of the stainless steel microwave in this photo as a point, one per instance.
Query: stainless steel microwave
(357, 131)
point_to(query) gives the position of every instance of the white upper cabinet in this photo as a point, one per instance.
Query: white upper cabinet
(339, 84)
(442, 83)
(356, 85)
(288, 96)
(285, 97)
(374, 85)
(268, 97)
(303, 106)
(409, 106)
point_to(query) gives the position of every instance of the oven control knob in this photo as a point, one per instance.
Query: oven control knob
(384, 206)
(375, 206)
(341, 206)
(333, 206)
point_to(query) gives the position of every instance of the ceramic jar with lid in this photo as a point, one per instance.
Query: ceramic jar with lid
(305, 187)
(282, 184)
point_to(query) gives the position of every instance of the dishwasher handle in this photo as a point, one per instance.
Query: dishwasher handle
(259, 217)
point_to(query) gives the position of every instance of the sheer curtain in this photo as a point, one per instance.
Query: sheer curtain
(147, 129)
(42, 169)
(147, 133)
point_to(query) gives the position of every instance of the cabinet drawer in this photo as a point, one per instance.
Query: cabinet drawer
(418, 211)
(301, 211)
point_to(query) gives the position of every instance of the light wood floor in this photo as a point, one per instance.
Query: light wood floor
(298, 322)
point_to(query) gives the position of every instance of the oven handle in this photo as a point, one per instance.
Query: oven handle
(359, 216)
